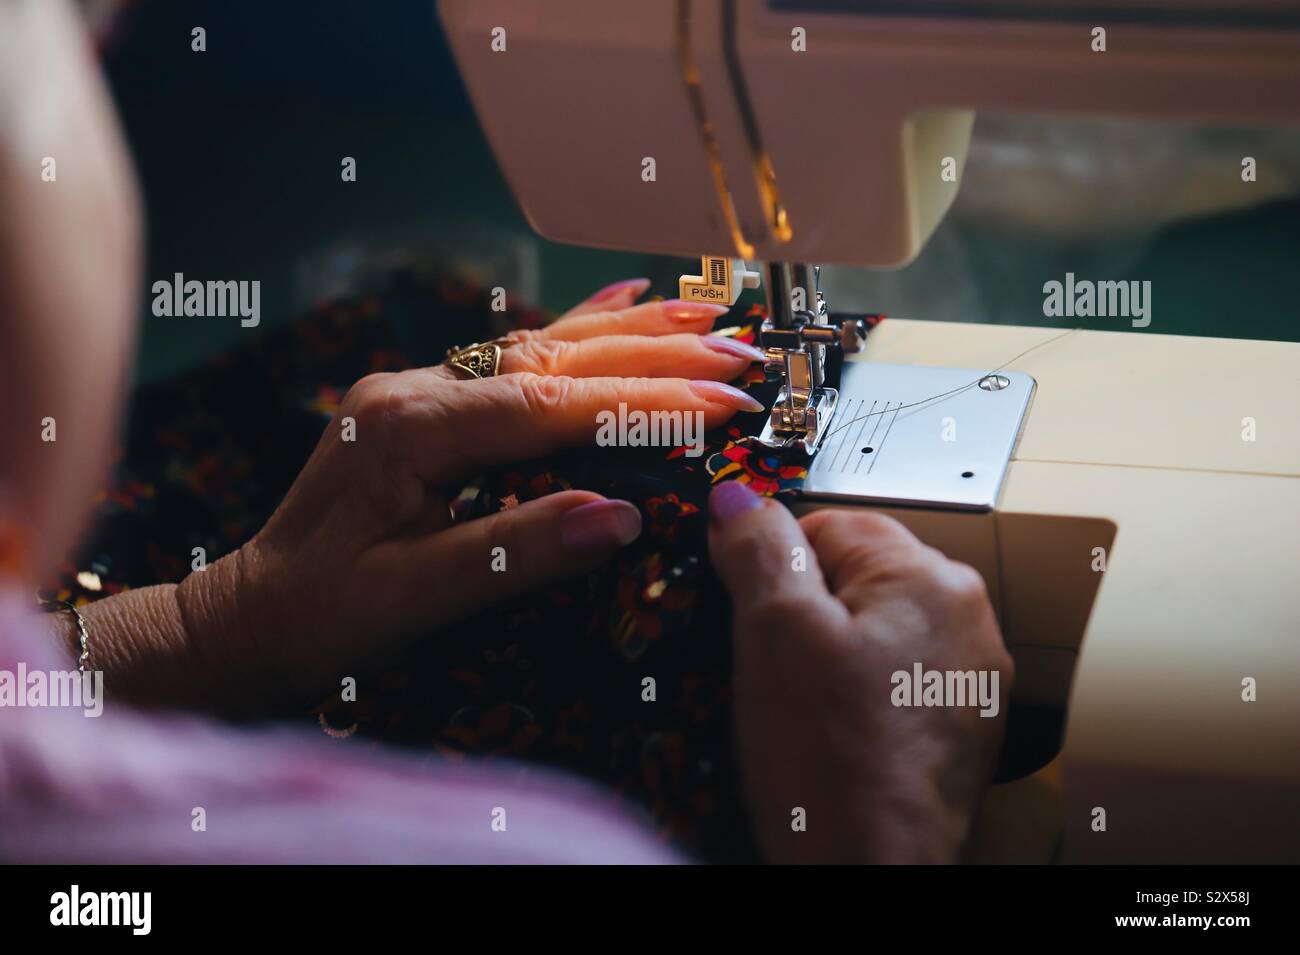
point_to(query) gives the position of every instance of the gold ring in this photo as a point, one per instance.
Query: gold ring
(480, 360)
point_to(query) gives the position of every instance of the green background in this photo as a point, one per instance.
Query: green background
(238, 152)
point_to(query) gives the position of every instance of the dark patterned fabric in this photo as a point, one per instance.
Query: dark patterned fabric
(558, 677)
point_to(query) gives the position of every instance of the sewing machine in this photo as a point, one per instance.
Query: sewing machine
(1140, 547)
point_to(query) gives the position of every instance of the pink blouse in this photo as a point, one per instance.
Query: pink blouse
(132, 787)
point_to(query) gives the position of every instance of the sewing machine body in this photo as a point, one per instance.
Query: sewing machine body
(1143, 559)
(1139, 543)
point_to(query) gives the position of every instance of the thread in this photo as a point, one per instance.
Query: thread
(950, 393)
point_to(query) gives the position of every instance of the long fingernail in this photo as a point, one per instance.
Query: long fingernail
(609, 291)
(600, 526)
(675, 310)
(723, 394)
(731, 499)
(731, 346)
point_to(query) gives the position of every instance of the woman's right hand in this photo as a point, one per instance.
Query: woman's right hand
(827, 609)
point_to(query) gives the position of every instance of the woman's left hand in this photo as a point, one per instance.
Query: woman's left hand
(362, 555)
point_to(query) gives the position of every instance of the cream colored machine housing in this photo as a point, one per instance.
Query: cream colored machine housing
(1133, 443)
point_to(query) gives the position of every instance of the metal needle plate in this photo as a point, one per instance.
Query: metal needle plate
(893, 442)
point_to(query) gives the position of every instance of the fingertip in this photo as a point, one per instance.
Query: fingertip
(729, 396)
(680, 312)
(631, 289)
(600, 526)
(730, 500)
(567, 500)
(732, 348)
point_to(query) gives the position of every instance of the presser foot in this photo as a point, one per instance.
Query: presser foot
(797, 426)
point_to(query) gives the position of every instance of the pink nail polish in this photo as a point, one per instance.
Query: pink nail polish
(600, 526)
(609, 291)
(730, 346)
(730, 499)
(723, 394)
(675, 310)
